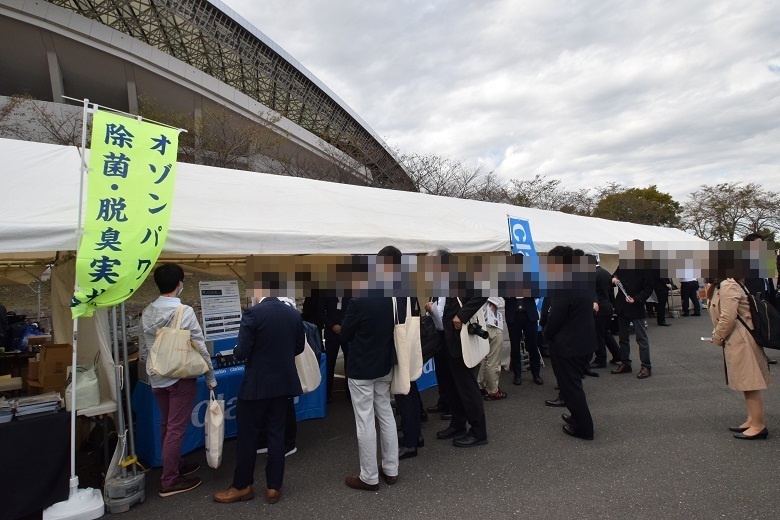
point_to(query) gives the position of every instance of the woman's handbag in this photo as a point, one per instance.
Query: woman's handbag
(406, 337)
(474, 347)
(214, 426)
(308, 368)
(173, 354)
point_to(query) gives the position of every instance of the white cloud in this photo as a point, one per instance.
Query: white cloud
(673, 93)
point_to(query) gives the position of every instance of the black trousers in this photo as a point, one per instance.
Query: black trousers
(519, 328)
(408, 407)
(439, 363)
(660, 307)
(466, 403)
(689, 292)
(605, 341)
(568, 372)
(251, 415)
(332, 344)
(290, 430)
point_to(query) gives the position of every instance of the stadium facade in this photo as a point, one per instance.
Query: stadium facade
(188, 57)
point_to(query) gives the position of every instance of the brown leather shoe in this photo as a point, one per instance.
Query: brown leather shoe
(356, 483)
(623, 368)
(234, 495)
(388, 479)
(644, 373)
(272, 496)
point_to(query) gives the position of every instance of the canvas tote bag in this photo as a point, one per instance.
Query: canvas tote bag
(214, 426)
(308, 368)
(474, 348)
(173, 354)
(400, 384)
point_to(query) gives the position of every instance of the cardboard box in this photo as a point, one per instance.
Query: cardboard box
(53, 385)
(42, 339)
(32, 369)
(52, 366)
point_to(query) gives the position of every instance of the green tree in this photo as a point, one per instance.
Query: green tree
(640, 206)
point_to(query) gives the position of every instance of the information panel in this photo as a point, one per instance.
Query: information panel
(221, 309)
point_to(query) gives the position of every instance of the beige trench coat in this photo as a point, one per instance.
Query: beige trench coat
(747, 367)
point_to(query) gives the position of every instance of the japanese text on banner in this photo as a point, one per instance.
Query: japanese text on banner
(132, 167)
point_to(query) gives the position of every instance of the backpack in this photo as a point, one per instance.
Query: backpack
(766, 320)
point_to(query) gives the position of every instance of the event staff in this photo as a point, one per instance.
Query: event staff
(522, 321)
(175, 397)
(334, 308)
(605, 294)
(270, 336)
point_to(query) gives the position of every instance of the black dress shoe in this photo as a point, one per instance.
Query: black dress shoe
(664, 324)
(772, 361)
(598, 365)
(566, 418)
(468, 441)
(738, 429)
(569, 430)
(623, 368)
(423, 417)
(538, 380)
(763, 434)
(406, 453)
(591, 373)
(555, 402)
(517, 380)
(435, 409)
(446, 416)
(450, 433)
(420, 441)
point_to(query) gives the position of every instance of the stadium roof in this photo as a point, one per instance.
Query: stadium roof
(212, 38)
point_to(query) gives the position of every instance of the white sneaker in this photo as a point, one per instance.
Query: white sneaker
(262, 450)
(291, 452)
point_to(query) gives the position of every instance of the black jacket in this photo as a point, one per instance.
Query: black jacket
(638, 283)
(605, 292)
(368, 326)
(570, 330)
(451, 309)
(332, 314)
(514, 306)
(270, 336)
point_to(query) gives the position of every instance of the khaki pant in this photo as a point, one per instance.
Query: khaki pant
(490, 370)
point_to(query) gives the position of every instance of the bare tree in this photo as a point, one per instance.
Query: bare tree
(28, 119)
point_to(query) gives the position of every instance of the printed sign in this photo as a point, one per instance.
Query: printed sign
(520, 237)
(221, 309)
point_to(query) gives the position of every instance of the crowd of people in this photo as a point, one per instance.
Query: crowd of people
(574, 333)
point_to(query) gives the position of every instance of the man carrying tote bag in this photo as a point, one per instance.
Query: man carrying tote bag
(175, 396)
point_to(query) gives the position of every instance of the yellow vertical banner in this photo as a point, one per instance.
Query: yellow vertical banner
(132, 166)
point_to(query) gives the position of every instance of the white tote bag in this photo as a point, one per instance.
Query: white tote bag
(400, 384)
(308, 369)
(87, 387)
(474, 348)
(214, 426)
(173, 354)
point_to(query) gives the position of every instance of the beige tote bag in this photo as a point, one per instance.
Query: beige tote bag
(308, 368)
(474, 348)
(173, 354)
(401, 382)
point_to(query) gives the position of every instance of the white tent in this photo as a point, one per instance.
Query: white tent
(237, 213)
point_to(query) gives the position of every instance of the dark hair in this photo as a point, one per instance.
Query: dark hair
(167, 277)
(562, 251)
(578, 252)
(392, 252)
(753, 236)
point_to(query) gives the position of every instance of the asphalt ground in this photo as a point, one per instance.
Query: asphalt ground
(662, 450)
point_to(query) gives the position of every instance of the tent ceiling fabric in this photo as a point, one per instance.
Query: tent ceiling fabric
(233, 214)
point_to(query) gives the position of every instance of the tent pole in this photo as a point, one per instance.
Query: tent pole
(118, 383)
(126, 371)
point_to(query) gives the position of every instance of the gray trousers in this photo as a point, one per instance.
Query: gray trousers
(641, 339)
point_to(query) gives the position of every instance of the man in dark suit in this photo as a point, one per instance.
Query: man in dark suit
(629, 307)
(270, 336)
(334, 309)
(522, 321)
(762, 288)
(464, 397)
(368, 325)
(605, 295)
(571, 334)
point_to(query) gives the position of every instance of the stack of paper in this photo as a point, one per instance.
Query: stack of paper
(6, 411)
(36, 405)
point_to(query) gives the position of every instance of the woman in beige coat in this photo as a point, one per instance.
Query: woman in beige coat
(747, 368)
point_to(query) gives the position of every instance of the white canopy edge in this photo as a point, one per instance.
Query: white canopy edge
(234, 213)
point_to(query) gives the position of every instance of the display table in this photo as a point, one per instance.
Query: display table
(34, 464)
(147, 414)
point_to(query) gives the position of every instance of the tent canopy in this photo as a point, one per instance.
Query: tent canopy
(220, 216)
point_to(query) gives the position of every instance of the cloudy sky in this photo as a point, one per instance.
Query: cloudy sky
(673, 93)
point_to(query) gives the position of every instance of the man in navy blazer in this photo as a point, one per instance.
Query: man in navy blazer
(522, 319)
(270, 336)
